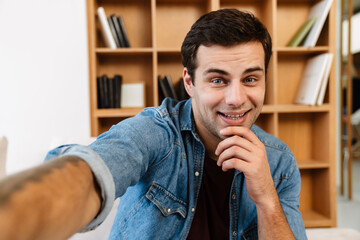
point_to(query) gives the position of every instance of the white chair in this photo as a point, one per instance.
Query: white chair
(3, 151)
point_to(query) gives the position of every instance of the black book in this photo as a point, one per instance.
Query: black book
(161, 89)
(105, 89)
(113, 32)
(117, 90)
(123, 31)
(119, 34)
(169, 84)
(100, 92)
(111, 92)
(182, 94)
(165, 89)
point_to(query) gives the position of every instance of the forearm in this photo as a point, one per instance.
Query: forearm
(52, 201)
(272, 223)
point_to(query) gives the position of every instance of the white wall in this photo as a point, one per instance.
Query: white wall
(355, 35)
(44, 99)
(44, 90)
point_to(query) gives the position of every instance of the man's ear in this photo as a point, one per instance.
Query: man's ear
(187, 82)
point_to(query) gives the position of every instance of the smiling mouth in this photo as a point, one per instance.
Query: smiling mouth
(234, 116)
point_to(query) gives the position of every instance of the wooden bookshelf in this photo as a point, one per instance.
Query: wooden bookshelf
(156, 29)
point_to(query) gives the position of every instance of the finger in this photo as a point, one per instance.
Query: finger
(241, 131)
(233, 141)
(234, 163)
(234, 152)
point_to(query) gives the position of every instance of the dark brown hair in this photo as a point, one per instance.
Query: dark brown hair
(224, 27)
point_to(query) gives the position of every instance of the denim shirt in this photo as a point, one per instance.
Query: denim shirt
(154, 163)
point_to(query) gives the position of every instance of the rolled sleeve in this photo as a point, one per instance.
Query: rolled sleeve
(101, 173)
(289, 197)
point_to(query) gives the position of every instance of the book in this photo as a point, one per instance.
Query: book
(105, 91)
(164, 87)
(320, 10)
(118, 33)
(123, 31)
(181, 91)
(105, 29)
(109, 91)
(311, 80)
(301, 33)
(133, 95)
(161, 88)
(117, 90)
(113, 32)
(100, 92)
(169, 84)
(325, 80)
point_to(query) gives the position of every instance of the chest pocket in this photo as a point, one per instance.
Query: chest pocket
(157, 215)
(166, 202)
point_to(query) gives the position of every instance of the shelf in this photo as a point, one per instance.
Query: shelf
(169, 50)
(314, 219)
(123, 51)
(117, 112)
(174, 19)
(301, 50)
(305, 134)
(294, 108)
(312, 164)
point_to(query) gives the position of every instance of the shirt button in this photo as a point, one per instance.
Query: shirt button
(234, 233)
(234, 196)
(169, 209)
(197, 173)
(193, 209)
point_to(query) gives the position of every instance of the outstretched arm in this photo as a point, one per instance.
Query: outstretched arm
(51, 201)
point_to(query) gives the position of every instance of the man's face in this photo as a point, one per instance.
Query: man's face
(229, 87)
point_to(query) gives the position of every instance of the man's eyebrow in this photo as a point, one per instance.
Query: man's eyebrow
(216, 70)
(222, 72)
(253, 69)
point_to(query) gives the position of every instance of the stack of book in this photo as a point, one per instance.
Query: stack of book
(167, 89)
(314, 81)
(309, 32)
(109, 91)
(113, 30)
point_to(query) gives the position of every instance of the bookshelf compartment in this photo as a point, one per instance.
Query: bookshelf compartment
(132, 68)
(105, 124)
(181, 14)
(290, 70)
(136, 15)
(170, 64)
(307, 135)
(262, 9)
(267, 122)
(296, 14)
(314, 200)
(289, 74)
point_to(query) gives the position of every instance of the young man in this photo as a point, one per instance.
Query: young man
(197, 169)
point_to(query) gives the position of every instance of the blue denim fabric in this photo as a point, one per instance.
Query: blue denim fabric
(155, 161)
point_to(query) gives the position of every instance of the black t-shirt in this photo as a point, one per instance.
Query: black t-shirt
(212, 219)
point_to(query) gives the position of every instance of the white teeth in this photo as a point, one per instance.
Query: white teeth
(234, 117)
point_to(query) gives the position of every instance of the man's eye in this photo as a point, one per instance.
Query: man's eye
(250, 80)
(217, 81)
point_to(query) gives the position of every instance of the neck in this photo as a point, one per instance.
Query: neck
(210, 147)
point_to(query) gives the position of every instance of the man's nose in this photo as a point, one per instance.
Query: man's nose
(235, 95)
